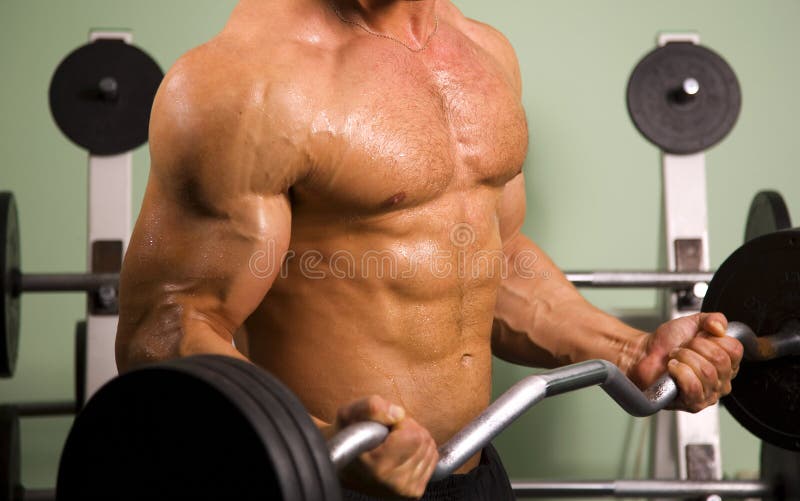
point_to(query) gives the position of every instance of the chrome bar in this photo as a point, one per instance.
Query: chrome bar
(346, 445)
(784, 343)
(533, 389)
(637, 279)
(643, 488)
(358, 438)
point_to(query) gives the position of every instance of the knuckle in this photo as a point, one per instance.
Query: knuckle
(708, 371)
(694, 390)
(421, 437)
(411, 425)
(373, 405)
(719, 358)
(383, 471)
(431, 442)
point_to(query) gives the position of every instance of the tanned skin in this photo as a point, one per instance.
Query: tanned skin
(346, 199)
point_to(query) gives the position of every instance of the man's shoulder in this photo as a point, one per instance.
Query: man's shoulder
(487, 37)
(227, 79)
(217, 70)
(219, 106)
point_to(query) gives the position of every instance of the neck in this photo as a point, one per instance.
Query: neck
(410, 20)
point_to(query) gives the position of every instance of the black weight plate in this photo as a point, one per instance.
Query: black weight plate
(317, 446)
(10, 485)
(767, 213)
(320, 475)
(9, 280)
(694, 123)
(80, 365)
(105, 124)
(169, 431)
(780, 469)
(759, 285)
(296, 458)
(278, 445)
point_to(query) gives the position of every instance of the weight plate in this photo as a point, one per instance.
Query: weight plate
(80, 365)
(780, 469)
(768, 213)
(101, 95)
(9, 280)
(320, 479)
(175, 430)
(672, 119)
(294, 460)
(759, 285)
(328, 479)
(10, 483)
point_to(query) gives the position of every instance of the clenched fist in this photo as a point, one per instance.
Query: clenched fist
(403, 464)
(697, 354)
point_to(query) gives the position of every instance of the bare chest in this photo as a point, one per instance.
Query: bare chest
(399, 130)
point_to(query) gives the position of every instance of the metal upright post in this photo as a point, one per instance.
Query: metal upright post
(685, 445)
(109, 228)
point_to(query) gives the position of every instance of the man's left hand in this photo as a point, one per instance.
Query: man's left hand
(697, 354)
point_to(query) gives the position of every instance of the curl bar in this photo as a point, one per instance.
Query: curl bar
(349, 443)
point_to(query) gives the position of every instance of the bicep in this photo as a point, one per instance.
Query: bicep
(221, 263)
(214, 223)
(188, 272)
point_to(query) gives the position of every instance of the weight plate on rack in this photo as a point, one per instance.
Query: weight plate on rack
(9, 280)
(10, 483)
(101, 95)
(768, 213)
(683, 97)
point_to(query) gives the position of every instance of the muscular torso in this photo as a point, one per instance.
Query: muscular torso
(389, 283)
(382, 291)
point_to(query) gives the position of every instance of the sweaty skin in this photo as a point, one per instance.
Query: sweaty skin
(357, 206)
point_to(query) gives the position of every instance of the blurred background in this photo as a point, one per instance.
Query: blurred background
(593, 181)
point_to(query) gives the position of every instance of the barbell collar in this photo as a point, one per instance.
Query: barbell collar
(643, 488)
(65, 282)
(637, 279)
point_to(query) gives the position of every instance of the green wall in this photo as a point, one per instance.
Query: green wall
(593, 182)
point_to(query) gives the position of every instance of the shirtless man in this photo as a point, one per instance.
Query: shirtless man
(340, 177)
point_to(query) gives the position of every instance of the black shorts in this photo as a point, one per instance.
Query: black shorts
(486, 482)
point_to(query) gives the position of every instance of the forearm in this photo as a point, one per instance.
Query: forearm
(167, 333)
(542, 320)
(179, 339)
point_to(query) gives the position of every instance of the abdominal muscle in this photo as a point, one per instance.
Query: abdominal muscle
(343, 323)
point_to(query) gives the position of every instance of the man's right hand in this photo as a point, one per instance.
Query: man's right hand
(403, 464)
